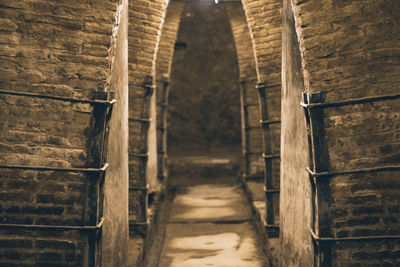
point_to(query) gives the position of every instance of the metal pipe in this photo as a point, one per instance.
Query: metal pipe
(273, 156)
(140, 120)
(138, 188)
(270, 122)
(55, 227)
(60, 98)
(250, 104)
(350, 101)
(138, 155)
(270, 190)
(352, 238)
(60, 169)
(362, 170)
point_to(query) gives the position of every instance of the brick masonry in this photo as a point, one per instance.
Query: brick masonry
(264, 19)
(163, 70)
(248, 75)
(146, 20)
(58, 49)
(348, 51)
(336, 50)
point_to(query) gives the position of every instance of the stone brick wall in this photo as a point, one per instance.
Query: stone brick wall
(57, 49)
(163, 70)
(248, 74)
(348, 52)
(146, 19)
(264, 20)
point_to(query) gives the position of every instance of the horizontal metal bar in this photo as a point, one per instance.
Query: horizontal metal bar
(60, 98)
(139, 155)
(271, 226)
(269, 190)
(139, 223)
(273, 156)
(140, 120)
(254, 152)
(253, 176)
(250, 104)
(55, 227)
(140, 188)
(353, 238)
(354, 171)
(59, 169)
(149, 86)
(270, 122)
(263, 85)
(351, 101)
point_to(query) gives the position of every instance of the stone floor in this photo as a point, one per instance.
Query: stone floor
(210, 225)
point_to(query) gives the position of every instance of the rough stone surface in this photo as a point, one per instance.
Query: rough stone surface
(210, 203)
(208, 244)
(146, 20)
(296, 246)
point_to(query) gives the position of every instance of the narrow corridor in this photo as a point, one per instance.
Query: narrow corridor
(208, 222)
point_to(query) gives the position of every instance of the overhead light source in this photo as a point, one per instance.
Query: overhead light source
(216, 1)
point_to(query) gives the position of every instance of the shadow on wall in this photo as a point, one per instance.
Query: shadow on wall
(204, 109)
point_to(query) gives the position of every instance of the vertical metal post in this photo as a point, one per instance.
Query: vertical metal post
(101, 116)
(318, 162)
(162, 130)
(272, 228)
(141, 223)
(245, 127)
